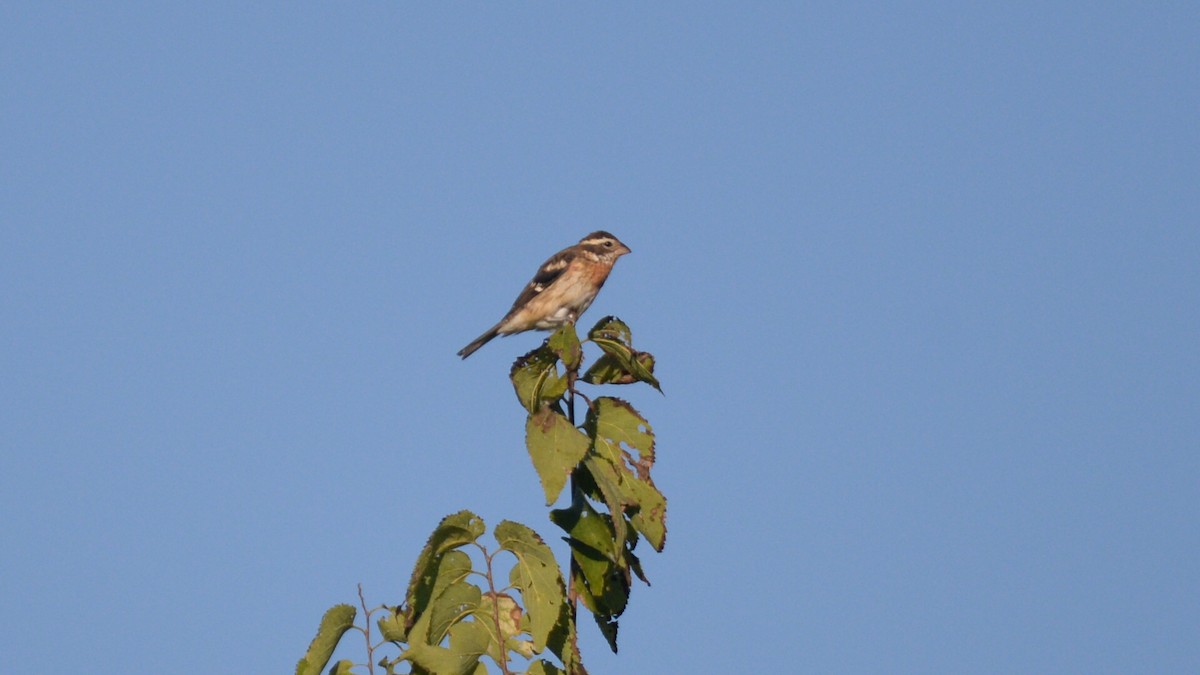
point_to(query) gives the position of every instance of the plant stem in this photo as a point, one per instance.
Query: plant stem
(576, 497)
(496, 614)
(571, 375)
(367, 631)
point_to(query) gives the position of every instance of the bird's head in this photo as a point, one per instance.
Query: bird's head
(604, 245)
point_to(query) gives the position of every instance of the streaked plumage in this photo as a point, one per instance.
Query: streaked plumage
(563, 288)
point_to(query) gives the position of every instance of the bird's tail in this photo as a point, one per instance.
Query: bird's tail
(479, 341)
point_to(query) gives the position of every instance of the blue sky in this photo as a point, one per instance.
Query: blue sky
(921, 281)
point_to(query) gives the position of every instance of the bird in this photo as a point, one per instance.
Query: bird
(563, 288)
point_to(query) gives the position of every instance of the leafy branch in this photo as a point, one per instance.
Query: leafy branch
(447, 623)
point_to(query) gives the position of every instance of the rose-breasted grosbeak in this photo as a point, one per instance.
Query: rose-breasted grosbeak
(563, 288)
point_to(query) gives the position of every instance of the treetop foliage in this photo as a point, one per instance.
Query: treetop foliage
(459, 608)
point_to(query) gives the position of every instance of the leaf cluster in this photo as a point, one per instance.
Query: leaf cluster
(614, 502)
(458, 608)
(448, 622)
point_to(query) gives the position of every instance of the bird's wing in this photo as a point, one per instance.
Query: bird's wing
(546, 274)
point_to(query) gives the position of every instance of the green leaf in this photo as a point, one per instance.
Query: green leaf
(337, 620)
(636, 565)
(536, 380)
(599, 563)
(451, 599)
(431, 659)
(606, 370)
(594, 602)
(604, 560)
(468, 641)
(600, 583)
(587, 527)
(620, 462)
(343, 667)
(418, 633)
(455, 603)
(615, 338)
(563, 641)
(608, 628)
(393, 626)
(454, 567)
(629, 496)
(454, 531)
(556, 447)
(650, 516)
(536, 576)
(612, 328)
(617, 427)
(608, 480)
(605, 589)
(565, 344)
(543, 667)
(609, 370)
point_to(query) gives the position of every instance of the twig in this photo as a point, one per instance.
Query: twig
(367, 631)
(496, 614)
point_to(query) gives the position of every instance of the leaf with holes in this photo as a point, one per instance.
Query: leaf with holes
(619, 430)
(615, 338)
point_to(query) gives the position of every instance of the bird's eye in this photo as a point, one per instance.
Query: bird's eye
(608, 243)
